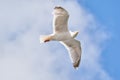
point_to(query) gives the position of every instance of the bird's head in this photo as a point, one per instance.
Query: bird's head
(58, 10)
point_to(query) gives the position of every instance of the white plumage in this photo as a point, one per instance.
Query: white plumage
(62, 34)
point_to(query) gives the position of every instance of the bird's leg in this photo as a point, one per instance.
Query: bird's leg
(46, 40)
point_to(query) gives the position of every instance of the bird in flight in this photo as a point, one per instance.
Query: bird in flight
(64, 36)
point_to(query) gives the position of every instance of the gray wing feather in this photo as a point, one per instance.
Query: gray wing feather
(74, 48)
(60, 20)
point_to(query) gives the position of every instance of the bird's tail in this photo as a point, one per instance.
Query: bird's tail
(74, 34)
(45, 38)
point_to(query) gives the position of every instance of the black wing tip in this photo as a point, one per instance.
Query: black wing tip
(59, 7)
(76, 64)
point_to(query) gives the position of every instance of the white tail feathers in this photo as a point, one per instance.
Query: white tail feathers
(44, 38)
(41, 39)
(74, 34)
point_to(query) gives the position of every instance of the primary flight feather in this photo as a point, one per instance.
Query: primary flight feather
(64, 36)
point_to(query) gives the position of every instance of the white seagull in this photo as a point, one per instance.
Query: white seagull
(64, 36)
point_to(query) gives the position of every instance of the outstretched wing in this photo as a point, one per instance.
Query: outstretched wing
(60, 19)
(74, 48)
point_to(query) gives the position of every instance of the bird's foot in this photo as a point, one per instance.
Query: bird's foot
(46, 40)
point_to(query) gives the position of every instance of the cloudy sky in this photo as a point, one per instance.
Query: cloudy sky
(22, 57)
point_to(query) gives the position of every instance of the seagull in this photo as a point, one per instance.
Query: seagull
(64, 36)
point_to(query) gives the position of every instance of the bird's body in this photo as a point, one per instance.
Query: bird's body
(62, 34)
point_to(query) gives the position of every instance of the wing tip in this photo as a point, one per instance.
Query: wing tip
(76, 64)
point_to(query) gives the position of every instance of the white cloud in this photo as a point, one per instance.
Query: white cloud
(23, 58)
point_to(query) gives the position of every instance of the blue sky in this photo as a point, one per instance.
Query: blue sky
(22, 57)
(107, 13)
